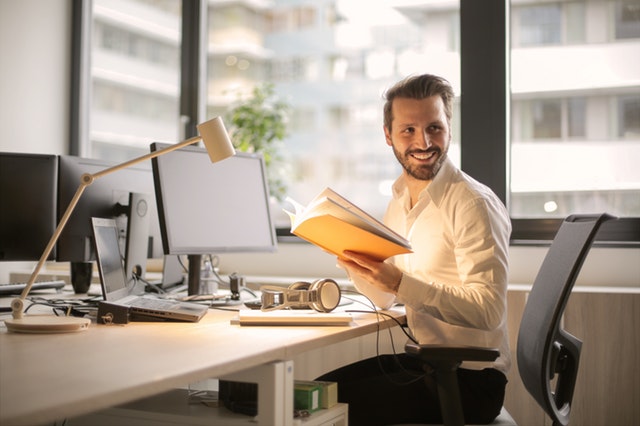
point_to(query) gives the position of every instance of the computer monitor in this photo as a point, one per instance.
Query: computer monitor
(211, 208)
(108, 197)
(28, 188)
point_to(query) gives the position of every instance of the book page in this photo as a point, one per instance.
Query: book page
(298, 208)
(328, 202)
(331, 194)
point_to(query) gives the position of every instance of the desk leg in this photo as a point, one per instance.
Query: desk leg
(275, 391)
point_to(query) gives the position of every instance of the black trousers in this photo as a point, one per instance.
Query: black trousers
(394, 389)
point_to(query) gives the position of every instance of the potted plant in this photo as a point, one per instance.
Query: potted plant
(258, 123)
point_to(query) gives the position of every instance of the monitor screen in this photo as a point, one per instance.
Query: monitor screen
(28, 190)
(210, 208)
(107, 197)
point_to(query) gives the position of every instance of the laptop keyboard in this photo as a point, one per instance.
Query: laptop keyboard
(144, 302)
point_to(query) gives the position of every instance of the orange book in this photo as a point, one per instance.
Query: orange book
(334, 224)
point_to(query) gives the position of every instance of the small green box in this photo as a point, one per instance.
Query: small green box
(306, 396)
(328, 392)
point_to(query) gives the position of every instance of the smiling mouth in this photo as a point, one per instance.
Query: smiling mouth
(423, 156)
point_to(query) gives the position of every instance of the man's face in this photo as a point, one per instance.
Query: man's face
(419, 135)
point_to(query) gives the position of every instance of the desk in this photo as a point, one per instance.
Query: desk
(44, 378)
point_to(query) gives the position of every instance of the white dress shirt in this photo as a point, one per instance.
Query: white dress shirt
(455, 282)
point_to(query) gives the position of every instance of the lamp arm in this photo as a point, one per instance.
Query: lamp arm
(148, 156)
(17, 304)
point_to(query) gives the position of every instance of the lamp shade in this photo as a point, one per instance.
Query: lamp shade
(216, 139)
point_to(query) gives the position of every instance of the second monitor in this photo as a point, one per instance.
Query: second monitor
(210, 208)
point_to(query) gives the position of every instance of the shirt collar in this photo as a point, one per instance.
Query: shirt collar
(436, 190)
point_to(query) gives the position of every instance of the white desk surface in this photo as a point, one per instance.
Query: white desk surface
(44, 378)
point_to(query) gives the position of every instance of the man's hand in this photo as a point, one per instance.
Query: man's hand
(383, 275)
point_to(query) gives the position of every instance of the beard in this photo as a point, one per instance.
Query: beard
(421, 171)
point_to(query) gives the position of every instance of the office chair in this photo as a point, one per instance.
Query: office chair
(545, 351)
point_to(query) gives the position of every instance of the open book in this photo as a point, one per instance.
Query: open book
(334, 224)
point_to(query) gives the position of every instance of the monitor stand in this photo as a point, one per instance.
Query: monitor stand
(193, 285)
(193, 288)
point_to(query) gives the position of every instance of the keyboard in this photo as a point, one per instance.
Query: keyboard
(17, 288)
(146, 302)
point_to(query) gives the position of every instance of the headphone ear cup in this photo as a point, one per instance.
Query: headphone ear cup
(329, 294)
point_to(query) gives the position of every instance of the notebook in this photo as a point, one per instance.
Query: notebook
(114, 282)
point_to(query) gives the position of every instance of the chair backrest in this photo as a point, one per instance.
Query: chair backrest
(545, 350)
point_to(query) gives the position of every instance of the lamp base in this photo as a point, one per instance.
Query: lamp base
(47, 324)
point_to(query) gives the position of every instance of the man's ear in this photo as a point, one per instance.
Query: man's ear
(387, 136)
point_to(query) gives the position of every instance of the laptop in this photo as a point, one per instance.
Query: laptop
(114, 282)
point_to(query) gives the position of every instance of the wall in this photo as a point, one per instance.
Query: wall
(35, 42)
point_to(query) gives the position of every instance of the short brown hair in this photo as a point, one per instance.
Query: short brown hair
(419, 87)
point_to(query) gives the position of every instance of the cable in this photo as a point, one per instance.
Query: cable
(220, 280)
(251, 292)
(378, 313)
(401, 325)
(61, 307)
(185, 268)
(149, 286)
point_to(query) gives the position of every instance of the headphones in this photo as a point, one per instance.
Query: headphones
(322, 295)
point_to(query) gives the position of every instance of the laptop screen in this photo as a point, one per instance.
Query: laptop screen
(105, 234)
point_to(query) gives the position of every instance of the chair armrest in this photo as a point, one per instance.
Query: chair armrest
(443, 353)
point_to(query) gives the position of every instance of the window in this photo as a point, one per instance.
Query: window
(576, 118)
(629, 113)
(573, 93)
(572, 130)
(548, 23)
(627, 19)
(133, 95)
(540, 25)
(545, 119)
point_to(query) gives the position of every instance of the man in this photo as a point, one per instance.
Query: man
(454, 283)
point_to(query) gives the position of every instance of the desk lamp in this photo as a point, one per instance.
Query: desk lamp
(218, 145)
